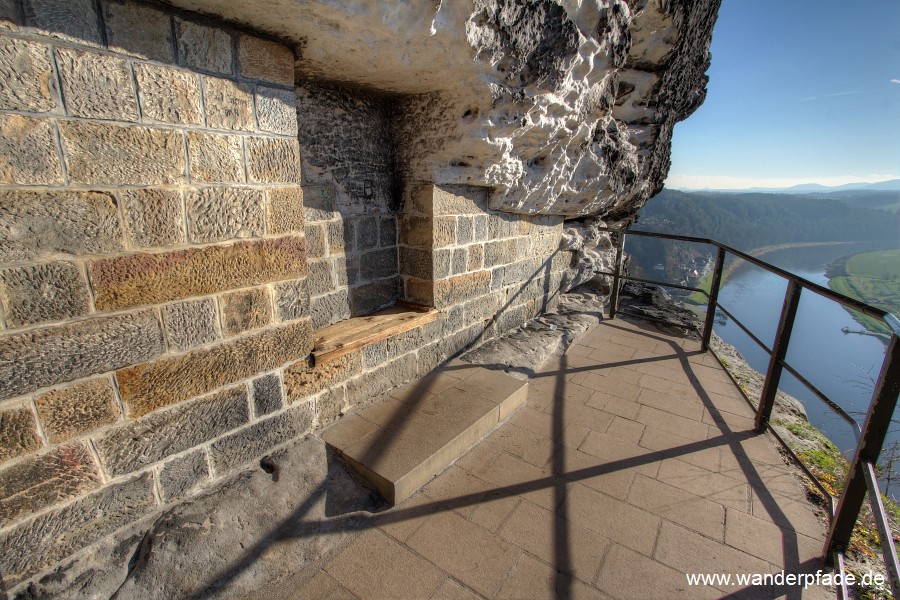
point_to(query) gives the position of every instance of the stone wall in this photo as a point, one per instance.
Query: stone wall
(152, 265)
(162, 269)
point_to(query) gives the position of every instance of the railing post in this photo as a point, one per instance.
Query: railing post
(779, 351)
(713, 297)
(617, 274)
(878, 419)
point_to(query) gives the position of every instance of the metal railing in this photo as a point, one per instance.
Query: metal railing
(861, 477)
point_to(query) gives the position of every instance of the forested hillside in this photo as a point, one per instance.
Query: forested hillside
(754, 220)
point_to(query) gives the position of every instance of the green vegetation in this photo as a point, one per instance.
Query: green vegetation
(872, 277)
(749, 221)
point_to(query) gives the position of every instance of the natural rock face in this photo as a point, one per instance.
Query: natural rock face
(561, 107)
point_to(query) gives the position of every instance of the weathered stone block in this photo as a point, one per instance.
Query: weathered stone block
(44, 479)
(497, 278)
(460, 200)
(499, 253)
(346, 270)
(315, 240)
(388, 233)
(319, 203)
(221, 214)
(263, 59)
(28, 153)
(245, 310)
(77, 409)
(302, 379)
(416, 262)
(139, 30)
(476, 257)
(448, 292)
(52, 355)
(460, 261)
(321, 277)
(480, 228)
(364, 232)
(416, 232)
(96, 85)
(368, 298)
(45, 292)
(276, 110)
(330, 404)
(284, 212)
(18, 432)
(37, 225)
(146, 441)
(267, 395)
(444, 232)
(378, 264)
(139, 279)
(252, 442)
(149, 386)
(336, 237)
(523, 247)
(449, 200)
(465, 232)
(191, 324)
(216, 158)
(292, 300)
(153, 217)
(229, 104)
(180, 476)
(99, 153)
(393, 374)
(26, 76)
(418, 291)
(273, 160)
(169, 95)
(511, 318)
(43, 541)
(330, 308)
(74, 20)
(502, 225)
(484, 307)
(207, 48)
(397, 345)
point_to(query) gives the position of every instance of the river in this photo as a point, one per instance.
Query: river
(841, 365)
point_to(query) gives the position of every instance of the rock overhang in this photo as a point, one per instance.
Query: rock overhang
(561, 107)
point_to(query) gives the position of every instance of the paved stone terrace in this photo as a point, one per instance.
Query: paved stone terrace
(633, 463)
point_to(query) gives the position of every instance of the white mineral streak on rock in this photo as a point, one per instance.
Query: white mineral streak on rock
(561, 106)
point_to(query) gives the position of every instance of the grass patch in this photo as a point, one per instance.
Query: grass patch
(874, 278)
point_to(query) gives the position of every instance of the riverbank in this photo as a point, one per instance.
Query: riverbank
(870, 277)
(732, 265)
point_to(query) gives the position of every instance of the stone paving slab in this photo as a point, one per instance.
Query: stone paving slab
(401, 442)
(622, 473)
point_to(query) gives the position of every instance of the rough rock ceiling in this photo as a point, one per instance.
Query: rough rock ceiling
(561, 106)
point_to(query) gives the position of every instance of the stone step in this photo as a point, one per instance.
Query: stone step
(401, 442)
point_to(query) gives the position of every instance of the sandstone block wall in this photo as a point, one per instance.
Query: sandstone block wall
(163, 268)
(153, 265)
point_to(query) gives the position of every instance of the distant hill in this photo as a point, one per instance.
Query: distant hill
(754, 220)
(891, 185)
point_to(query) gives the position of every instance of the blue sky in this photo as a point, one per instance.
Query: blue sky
(800, 91)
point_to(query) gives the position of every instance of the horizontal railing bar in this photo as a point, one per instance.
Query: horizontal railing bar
(831, 404)
(747, 331)
(853, 303)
